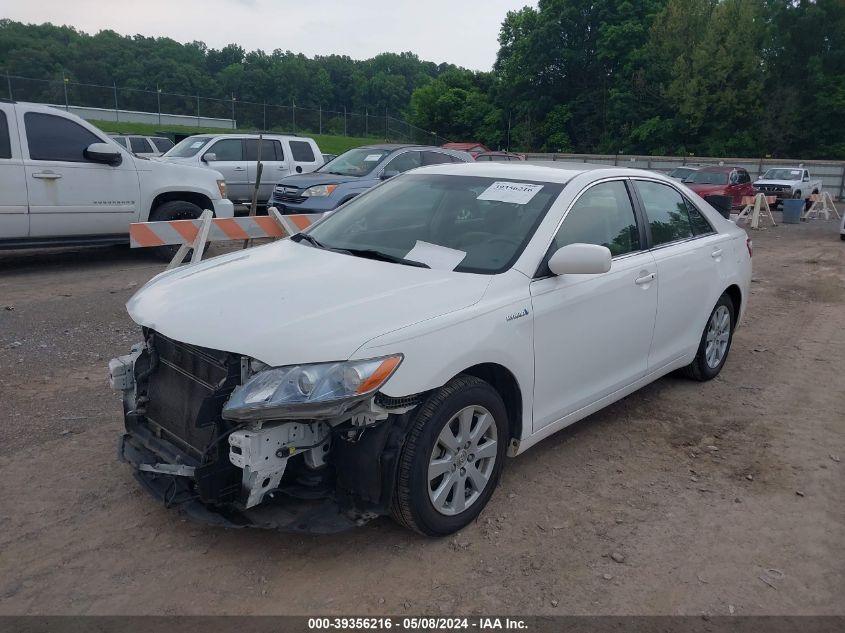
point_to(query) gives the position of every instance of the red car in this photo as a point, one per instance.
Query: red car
(721, 181)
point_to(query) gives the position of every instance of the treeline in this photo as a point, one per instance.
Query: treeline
(703, 77)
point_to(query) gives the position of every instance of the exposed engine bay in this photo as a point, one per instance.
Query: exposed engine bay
(317, 469)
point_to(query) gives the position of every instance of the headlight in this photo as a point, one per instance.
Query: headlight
(308, 390)
(221, 185)
(318, 191)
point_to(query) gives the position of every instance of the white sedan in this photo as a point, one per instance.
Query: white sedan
(387, 360)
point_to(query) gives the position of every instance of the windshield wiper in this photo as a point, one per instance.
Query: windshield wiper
(299, 237)
(369, 253)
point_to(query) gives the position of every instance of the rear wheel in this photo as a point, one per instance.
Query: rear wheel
(452, 458)
(173, 210)
(715, 342)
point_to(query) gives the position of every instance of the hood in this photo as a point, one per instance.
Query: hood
(763, 181)
(288, 303)
(302, 181)
(180, 169)
(707, 190)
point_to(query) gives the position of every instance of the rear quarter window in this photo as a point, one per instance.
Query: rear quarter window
(301, 152)
(5, 141)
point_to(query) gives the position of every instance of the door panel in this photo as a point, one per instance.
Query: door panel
(303, 158)
(274, 166)
(68, 194)
(229, 155)
(593, 333)
(689, 258)
(14, 212)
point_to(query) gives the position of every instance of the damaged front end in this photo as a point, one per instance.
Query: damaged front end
(230, 441)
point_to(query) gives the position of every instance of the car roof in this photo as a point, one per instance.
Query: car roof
(720, 168)
(395, 146)
(543, 171)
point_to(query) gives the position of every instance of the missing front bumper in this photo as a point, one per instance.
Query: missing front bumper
(280, 512)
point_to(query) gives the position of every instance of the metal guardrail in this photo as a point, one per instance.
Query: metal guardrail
(831, 172)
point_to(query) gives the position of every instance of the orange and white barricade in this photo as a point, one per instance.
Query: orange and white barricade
(754, 207)
(193, 235)
(822, 203)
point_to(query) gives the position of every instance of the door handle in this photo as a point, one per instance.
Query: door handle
(46, 175)
(716, 254)
(640, 281)
(239, 169)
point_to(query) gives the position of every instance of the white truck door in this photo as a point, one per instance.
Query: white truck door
(14, 211)
(303, 158)
(69, 194)
(275, 167)
(229, 161)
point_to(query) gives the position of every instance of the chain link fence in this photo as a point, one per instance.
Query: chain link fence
(136, 105)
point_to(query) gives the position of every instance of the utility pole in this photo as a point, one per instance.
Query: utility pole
(366, 120)
(64, 83)
(344, 120)
(158, 97)
(509, 133)
(264, 127)
(233, 111)
(116, 108)
(293, 112)
(9, 83)
(321, 118)
(386, 125)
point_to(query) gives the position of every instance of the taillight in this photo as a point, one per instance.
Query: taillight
(748, 246)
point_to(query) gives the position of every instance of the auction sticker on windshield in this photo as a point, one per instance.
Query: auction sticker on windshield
(372, 158)
(517, 192)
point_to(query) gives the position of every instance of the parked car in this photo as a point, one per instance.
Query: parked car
(236, 155)
(63, 181)
(498, 156)
(472, 148)
(143, 145)
(388, 359)
(787, 182)
(352, 173)
(721, 181)
(682, 173)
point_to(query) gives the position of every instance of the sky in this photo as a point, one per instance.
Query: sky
(462, 32)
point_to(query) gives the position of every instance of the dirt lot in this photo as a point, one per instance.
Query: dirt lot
(717, 498)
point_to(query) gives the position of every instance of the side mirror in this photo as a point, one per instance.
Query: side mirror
(580, 259)
(209, 157)
(389, 173)
(103, 153)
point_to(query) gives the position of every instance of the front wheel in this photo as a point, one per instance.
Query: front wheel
(452, 458)
(715, 342)
(173, 210)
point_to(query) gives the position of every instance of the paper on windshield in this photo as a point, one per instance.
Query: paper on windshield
(516, 192)
(370, 158)
(197, 144)
(434, 256)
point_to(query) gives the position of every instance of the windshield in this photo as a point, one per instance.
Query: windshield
(355, 162)
(188, 147)
(782, 174)
(708, 178)
(462, 223)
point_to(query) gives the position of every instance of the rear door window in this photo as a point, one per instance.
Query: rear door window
(51, 137)
(436, 158)
(5, 141)
(270, 150)
(301, 152)
(404, 162)
(668, 216)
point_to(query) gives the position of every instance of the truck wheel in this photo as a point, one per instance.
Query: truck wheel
(173, 210)
(452, 458)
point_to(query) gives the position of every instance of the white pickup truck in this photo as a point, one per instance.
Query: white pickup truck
(787, 182)
(64, 182)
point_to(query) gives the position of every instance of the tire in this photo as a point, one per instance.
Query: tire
(701, 368)
(173, 210)
(438, 512)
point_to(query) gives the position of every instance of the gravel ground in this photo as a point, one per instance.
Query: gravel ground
(683, 498)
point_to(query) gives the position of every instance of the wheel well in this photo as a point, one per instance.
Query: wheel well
(202, 201)
(736, 298)
(504, 382)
